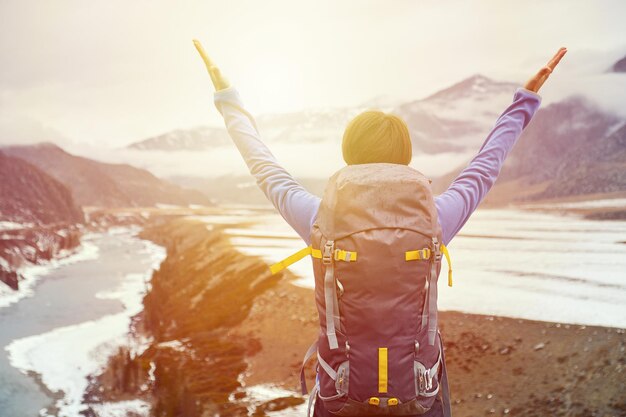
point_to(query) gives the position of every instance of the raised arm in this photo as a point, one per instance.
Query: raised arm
(295, 204)
(459, 201)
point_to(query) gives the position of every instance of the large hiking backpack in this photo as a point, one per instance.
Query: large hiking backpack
(376, 252)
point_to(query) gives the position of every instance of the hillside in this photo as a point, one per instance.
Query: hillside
(619, 66)
(570, 148)
(457, 118)
(38, 218)
(94, 183)
(29, 195)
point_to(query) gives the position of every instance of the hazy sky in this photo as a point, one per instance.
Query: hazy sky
(119, 71)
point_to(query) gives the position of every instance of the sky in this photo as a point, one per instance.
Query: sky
(114, 72)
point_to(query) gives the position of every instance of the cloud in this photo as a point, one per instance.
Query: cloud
(21, 129)
(115, 71)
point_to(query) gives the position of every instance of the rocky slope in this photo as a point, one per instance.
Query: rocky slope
(201, 290)
(619, 66)
(29, 195)
(583, 154)
(38, 218)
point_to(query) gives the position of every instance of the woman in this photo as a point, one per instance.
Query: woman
(374, 136)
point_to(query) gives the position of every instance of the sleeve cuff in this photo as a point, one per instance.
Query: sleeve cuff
(528, 93)
(229, 93)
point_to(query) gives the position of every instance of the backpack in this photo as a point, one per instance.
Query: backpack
(376, 252)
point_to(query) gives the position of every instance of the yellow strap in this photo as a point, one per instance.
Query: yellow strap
(421, 254)
(316, 253)
(382, 370)
(279, 266)
(345, 255)
(412, 255)
(445, 252)
(342, 255)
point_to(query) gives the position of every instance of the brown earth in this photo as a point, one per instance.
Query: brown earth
(235, 326)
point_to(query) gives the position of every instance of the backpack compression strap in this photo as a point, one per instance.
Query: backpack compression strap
(329, 255)
(279, 266)
(425, 254)
(340, 255)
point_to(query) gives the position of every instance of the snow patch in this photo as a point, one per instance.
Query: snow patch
(122, 408)
(31, 273)
(14, 226)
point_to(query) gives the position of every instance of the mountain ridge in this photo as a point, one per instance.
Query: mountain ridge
(102, 184)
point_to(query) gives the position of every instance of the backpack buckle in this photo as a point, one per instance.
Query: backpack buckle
(327, 254)
(429, 380)
(436, 250)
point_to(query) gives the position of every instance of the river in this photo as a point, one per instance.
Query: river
(74, 315)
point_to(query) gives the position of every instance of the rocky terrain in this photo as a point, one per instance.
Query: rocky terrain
(38, 218)
(43, 191)
(217, 323)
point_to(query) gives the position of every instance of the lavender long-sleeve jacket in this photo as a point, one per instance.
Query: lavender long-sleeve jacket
(299, 207)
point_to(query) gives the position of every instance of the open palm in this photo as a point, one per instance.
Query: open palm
(537, 80)
(219, 81)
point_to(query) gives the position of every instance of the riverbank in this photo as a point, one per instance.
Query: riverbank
(225, 337)
(28, 251)
(75, 319)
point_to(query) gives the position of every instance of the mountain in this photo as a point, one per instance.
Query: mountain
(94, 183)
(188, 139)
(452, 120)
(309, 126)
(29, 195)
(38, 218)
(458, 118)
(619, 66)
(583, 153)
(563, 152)
(241, 189)
(569, 148)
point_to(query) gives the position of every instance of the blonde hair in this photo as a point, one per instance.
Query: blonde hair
(374, 136)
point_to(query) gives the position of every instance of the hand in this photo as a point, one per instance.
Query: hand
(219, 81)
(535, 83)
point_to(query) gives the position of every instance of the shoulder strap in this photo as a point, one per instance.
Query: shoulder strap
(309, 353)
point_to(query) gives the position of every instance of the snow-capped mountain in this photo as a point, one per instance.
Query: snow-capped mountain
(570, 148)
(185, 139)
(447, 128)
(458, 118)
(455, 119)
